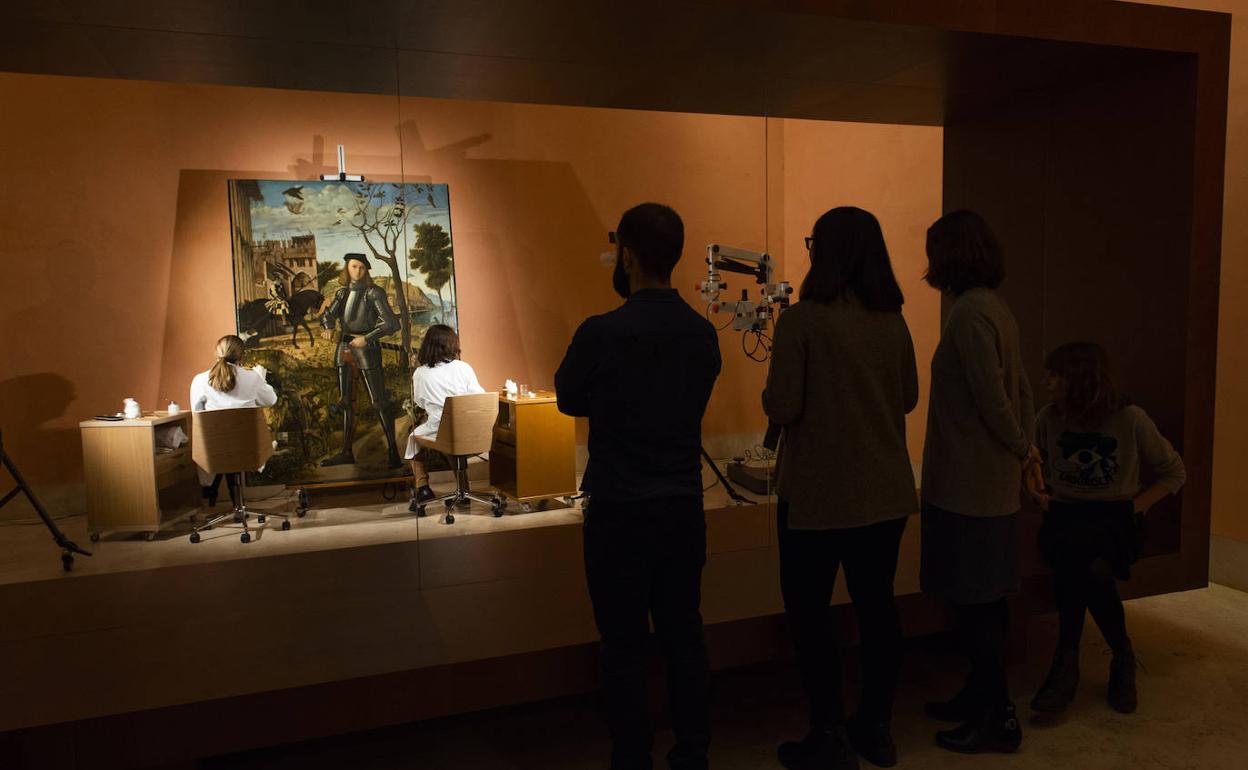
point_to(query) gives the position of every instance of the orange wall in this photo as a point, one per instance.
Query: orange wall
(1230, 438)
(119, 227)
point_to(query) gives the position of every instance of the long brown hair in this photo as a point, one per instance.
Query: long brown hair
(1091, 395)
(229, 351)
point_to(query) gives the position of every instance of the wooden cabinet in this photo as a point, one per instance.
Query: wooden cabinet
(132, 484)
(534, 452)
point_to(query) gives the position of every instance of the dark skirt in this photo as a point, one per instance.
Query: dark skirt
(1076, 534)
(968, 559)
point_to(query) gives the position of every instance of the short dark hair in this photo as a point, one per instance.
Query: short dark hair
(1091, 395)
(848, 255)
(655, 234)
(963, 253)
(440, 346)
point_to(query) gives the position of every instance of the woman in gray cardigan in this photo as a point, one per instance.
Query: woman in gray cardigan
(842, 380)
(979, 443)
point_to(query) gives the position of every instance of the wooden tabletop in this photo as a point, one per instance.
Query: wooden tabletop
(542, 397)
(149, 419)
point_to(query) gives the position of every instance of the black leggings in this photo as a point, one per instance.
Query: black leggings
(809, 561)
(981, 631)
(231, 482)
(1090, 585)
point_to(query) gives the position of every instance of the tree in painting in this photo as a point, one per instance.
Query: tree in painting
(433, 257)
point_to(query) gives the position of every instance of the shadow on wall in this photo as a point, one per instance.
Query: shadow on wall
(526, 239)
(29, 402)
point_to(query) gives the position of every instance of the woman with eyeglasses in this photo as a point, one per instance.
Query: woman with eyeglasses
(842, 379)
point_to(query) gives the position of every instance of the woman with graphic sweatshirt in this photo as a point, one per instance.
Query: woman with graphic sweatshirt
(1096, 446)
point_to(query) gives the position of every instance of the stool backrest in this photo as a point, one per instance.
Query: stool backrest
(230, 440)
(467, 426)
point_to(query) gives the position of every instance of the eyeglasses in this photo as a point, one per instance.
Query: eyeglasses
(810, 241)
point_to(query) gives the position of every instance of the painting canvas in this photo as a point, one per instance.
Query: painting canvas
(340, 351)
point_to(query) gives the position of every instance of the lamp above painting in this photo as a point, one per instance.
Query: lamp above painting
(342, 175)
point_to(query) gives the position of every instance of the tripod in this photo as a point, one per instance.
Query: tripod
(67, 546)
(736, 496)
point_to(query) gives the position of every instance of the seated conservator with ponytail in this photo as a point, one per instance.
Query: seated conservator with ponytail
(227, 385)
(439, 375)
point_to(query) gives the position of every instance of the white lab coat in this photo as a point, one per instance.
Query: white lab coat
(431, 386)
(250, 390)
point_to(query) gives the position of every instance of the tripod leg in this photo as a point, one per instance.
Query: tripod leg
(65, 543)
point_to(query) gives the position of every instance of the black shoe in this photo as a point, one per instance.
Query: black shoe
(420, 498)
(959, 708)
(873, 741)
(342, 458)
(820, 750)
(1059, 686)
(1122, 695)
(996, 731)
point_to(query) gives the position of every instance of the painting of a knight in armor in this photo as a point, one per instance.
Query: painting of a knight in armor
(335, 284)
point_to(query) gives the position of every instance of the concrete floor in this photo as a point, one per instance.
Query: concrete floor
(1193, 710)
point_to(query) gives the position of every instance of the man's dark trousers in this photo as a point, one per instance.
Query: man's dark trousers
(644, 560)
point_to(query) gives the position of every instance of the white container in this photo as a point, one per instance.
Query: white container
(130, 408)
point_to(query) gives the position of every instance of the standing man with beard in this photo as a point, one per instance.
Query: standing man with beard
(643, 374)
(363, 312)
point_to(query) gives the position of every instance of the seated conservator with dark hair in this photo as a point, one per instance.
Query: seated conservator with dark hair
(439, 374)
(643, 374)
(842, 380)
(979, 446)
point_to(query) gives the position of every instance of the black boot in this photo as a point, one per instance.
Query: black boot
(420, 498)
(996, 731)
(873, 741)
(1059, 686)
(821, 749)
(1122, 695)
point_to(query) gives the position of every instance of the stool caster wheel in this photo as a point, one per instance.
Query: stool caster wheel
(194, 537)
(301, 512)
(95, 537)
(450, 518)
(420, 512)
(498, 509)
(260, 519)
(245, 537)
(285, 525)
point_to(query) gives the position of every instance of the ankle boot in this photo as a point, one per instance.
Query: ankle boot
(1122, 695)
(821, 749)
(1059, 686)
(997, 730)
(420, 498)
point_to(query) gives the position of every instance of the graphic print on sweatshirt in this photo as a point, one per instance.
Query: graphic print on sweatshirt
(1088, 460)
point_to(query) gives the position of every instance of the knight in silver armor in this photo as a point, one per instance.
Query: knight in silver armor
(362, 313)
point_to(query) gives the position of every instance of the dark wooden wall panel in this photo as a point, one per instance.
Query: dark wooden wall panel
(1089, 190)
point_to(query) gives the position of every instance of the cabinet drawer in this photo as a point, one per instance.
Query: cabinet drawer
(172, 467)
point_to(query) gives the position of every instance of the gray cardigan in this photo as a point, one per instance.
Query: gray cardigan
(842, 380)
(981, 416)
